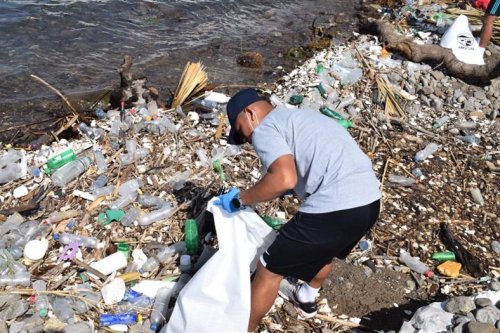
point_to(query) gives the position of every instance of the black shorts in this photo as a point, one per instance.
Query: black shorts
(493, 8)
(310, 241)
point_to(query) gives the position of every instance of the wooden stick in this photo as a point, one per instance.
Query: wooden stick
(58, 93)
(90, 269)
(337, 321)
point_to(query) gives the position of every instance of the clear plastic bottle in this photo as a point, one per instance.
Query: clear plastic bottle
(440, 122)
(430, 149)
(477, 196)
(90, 298)
(10, 172)
(21, 279)
(100, 182)
(63, 310)
(153, 108)
(123, 200)
(185, 265)
(41, 300)
(66, 238)
(156, 215)
(401, 180)
(466, 125)
(10, 157)
(59, 216)
(130, 186)
(100, 161)
(129, 157)
(70, 171)
(13, 222)
(160, 307)
(163, 256)
(106, 190)
(414, 263)
(472, 139)
(130, 217)
(149, 201)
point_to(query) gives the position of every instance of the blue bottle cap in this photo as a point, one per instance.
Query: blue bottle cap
(154, 327)
(56, 236)
(36, 172)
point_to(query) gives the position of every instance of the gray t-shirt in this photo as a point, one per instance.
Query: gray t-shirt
(333, 173)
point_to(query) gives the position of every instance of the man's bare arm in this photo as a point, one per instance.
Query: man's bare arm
(280, 177)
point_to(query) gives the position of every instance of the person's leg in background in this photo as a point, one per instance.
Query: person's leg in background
(490, 16)
(265, 286)
(309, 290)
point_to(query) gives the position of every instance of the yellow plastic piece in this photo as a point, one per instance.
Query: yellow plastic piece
(450, 268)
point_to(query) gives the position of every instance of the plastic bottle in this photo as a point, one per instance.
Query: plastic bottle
(13, 222)
(149, 201)
(21, 279)
(414, 264)
(153, 108)
(495, 246)
(70, 171)
(127, 318)
(106, 190)
(10, 172)
(440, 121)
(443, 256)
(61, 159)
(66, 238)
(129, 157)
(206, 254)
(476, 196)
(63, 310)
(10, 157)
(92, 133)
(59, 216)
(41, 300)
(202, 156)
(134, 300)
(130, 186)
(100, 182)
(472, 139)
(191, 236)
(417, 172)
(430, 149)
(163, 256)
(160, 307)
(156, 215)
(273, 222)
(111, 263)
(466, 125)
(90, 298)
(130, 217)
(401, 180)
(99, 112)
(123, 201)
(100, 161)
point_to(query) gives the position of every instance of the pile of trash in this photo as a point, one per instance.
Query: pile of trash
(105, 231)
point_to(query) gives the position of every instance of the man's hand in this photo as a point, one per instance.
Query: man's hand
(230, 200)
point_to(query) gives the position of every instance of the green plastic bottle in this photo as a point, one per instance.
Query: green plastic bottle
(124, 248)
(334, 115)
(273, 222)
(191, 236)
(55, 162)
(443, 256)
(218, 168)
(296, 99)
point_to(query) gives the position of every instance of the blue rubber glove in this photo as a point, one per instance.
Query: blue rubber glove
(226, 200)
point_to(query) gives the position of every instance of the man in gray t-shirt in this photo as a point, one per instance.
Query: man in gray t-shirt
(312, 155)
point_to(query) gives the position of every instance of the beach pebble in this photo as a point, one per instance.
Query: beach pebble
(483, 302)
(460, 305)
(476, 327)
(489, 314)
(495, 286)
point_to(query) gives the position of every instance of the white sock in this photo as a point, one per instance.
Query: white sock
(307, 294)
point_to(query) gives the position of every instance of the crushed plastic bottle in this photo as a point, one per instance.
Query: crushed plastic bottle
(63, 310)
(151, 201)
(100, 161)
(135, 301)
(41, 300)
(21, 279)
(163, 256)
(10, 172)
(130, 217)
(92, 133)
(55, 217)
(440, 122)
(59, 160)
(123, 200)
(100, 182)
(13, 222)
(178, 181)
(477, 196)
(156, 215)
(127, 318)
(401, 180)
(160, 307)
(66, 238)
(472, 139)
(414, 264)
(70, 171)
(106, 190)
(10, 157)
(430, 149)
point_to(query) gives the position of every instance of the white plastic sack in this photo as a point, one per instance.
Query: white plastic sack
(460, 40)
(217, 298)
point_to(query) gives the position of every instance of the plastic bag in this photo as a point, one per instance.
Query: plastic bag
(217, 298)
(460, 40)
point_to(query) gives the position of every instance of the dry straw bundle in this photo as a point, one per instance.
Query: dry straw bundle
(193, 80)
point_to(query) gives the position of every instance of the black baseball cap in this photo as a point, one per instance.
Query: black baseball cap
(236, 104)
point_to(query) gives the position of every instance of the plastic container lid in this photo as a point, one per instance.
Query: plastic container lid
(36, 249)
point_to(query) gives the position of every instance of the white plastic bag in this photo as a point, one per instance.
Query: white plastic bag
(460, 40)
(217, 298)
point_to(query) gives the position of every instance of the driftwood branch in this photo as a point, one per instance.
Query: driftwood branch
(433, 54)
(73, 110)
